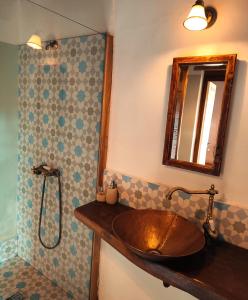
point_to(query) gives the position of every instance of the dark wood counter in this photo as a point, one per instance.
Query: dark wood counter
(218, 272)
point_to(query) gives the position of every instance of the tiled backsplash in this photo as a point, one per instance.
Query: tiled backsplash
(231, 221)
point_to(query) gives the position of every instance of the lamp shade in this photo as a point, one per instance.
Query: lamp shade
(34, 42)
(196, 19)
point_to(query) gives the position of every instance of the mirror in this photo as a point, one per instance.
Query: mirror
(197, 112)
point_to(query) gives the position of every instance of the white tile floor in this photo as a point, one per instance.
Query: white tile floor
(18, 276)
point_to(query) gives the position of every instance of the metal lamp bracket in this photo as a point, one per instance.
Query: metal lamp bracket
(211, 14)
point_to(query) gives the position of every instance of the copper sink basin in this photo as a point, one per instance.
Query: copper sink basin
(158, 235)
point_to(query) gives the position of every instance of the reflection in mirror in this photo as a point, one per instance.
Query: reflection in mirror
(199, 100)
(197, 114)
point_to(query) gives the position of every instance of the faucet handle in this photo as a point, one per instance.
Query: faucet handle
(36, 170)
(209, 224)
(212, 191)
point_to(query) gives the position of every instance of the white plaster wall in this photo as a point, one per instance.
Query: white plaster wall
(19, 19)
(148, 34)
(121, 280)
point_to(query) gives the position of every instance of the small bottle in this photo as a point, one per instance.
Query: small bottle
(112, 193)
(100, 195)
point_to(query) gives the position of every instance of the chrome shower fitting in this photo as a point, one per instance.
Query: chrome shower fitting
(45, 170)
(52, 45)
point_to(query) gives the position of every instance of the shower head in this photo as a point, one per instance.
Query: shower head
(52, 45)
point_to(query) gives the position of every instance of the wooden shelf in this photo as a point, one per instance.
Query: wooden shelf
(218, 272)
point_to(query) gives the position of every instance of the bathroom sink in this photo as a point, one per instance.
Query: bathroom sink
(158, 235)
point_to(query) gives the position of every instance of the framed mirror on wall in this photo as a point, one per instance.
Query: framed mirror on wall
(198, 109)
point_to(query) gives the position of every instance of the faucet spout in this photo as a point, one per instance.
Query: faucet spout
(190, 192)
(208, 225)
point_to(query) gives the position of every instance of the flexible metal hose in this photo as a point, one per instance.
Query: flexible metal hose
(60, 213)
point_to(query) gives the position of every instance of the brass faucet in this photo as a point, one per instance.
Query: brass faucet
(208, 225)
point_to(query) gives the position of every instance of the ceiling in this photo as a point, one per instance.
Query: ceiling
(19, 19)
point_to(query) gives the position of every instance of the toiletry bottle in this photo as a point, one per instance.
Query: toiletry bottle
(100, 195)
(112, 193)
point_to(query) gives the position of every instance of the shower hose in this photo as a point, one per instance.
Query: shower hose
(56, 173)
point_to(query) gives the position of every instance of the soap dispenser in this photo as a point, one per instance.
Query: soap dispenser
(100, 196)
(112, 193)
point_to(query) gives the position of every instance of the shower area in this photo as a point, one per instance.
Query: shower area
(8, 150)
(50, 113)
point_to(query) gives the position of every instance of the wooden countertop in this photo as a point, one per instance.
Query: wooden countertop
(219, 272)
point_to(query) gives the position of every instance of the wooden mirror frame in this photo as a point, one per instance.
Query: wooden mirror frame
(215, 168)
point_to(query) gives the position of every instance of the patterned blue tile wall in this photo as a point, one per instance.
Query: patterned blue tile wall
(60, 95)
(231, 221)
(8, 249)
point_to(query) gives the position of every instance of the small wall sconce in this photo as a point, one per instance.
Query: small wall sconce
(200, 17)
(35, 42)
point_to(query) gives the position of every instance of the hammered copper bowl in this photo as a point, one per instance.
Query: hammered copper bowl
(158, 235)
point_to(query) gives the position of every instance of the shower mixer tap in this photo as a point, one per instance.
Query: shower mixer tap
(45, 170)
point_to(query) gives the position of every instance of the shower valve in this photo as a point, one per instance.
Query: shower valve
(45, 170)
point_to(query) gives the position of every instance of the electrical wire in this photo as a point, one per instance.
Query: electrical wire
(60, 15)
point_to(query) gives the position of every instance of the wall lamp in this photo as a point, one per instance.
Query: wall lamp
(200, 17)
(35, 42)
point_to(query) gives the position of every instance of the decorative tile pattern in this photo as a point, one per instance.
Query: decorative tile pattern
(231, 221)
(8, 249)
(18, 276)
(60, 95)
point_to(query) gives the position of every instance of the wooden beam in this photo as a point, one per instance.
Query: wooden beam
(94, 280)
(103, 151)
(107, 84)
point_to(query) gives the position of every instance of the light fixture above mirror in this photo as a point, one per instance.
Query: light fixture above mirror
(200, 17)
